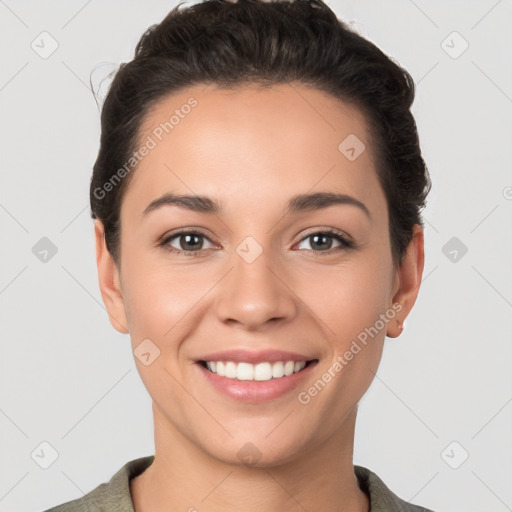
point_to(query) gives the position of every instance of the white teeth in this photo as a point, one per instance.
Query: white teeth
(230, 369)
(288, 367)
(263, 371)
(260, 371)
(278, 370)
(245, 371)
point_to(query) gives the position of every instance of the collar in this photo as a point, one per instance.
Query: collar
(115, 496)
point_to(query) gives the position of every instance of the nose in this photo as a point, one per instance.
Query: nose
(256, 294)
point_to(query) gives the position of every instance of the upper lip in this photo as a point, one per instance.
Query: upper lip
(241, 355)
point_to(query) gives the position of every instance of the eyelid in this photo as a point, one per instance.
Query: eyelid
(190, 230)
(168, 237)
(330, 231)
(345, 241)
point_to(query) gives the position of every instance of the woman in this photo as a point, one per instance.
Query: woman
(257, 199)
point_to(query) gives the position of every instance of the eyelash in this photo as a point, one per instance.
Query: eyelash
(345, 243)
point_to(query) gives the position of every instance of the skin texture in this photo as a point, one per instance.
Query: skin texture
(252, 150)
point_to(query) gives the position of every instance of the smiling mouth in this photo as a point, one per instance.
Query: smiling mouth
(263, 371)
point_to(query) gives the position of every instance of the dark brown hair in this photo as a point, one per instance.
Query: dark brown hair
(264, 42)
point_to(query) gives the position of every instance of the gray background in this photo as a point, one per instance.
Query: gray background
(69, 379)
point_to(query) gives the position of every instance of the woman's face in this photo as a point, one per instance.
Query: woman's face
(248, 284)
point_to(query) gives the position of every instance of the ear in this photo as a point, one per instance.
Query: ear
(408, 280)
(109, 281)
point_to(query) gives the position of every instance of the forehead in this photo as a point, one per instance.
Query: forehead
(251, 144)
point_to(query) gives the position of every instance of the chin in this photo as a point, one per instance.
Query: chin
(256, 451)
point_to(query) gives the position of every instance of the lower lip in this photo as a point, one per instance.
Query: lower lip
(254, 391)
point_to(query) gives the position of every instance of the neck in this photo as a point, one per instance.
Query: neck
(184, 477)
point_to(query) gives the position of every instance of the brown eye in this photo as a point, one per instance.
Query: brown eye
(322, 241)
(185, 242)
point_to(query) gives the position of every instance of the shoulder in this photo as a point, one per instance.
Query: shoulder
(382, 499)
(112, 496)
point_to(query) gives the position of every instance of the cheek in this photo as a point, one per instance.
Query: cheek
(350, 304)
(350, 298)
(164, 302)
(158, 304)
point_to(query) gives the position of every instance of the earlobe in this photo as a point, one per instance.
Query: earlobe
(409, 277)
(109, 281)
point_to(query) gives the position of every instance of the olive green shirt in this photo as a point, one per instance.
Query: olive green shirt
(114, 496)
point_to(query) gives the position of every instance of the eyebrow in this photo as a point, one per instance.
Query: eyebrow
(298, 203)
